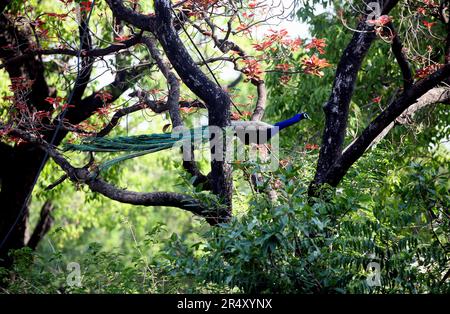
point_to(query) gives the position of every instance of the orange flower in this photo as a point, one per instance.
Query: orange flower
(377, 100)
(426, 71)
(318, 44)
(429, 25)
(263, 46)
(104, 96)
(285, 79)
(381, 21)
(85, 6)
(252, 69)
(283, 67)
(187, 109)
(313, 65)
(311, 146)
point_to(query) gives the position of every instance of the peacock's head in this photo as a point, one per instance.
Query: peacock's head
(301, 116)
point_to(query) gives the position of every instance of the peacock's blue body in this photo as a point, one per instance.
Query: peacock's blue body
(249, 132)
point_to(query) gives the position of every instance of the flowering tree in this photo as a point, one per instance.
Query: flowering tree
(38, 115)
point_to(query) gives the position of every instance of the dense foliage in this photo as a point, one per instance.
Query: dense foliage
(392, 207)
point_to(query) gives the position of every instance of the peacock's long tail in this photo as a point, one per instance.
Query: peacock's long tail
(140, 145)
(137, 145)
(249, 132)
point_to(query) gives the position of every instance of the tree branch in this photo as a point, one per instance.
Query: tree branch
(215, 213)
(90, 104)
(100, 52)
(189, 163)
(410, 97)
(215, 98)
(337, 108)
(6, 155)
(397, 49)
(125, 14)
(85, 70)
(33, 69)
(43, 225)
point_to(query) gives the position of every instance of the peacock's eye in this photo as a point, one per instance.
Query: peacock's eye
(306, 116)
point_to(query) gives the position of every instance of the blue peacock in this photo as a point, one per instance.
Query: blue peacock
(249, 132)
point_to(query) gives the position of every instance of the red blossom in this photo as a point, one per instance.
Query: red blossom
(253, 4)
(20, 83)
(187, 109)
(85, 6)
(381, 21)
(285, 79)
(421, 11)
(104, 96)
(430, 3)
(377, 100)
(56, 103)
(426, 71)
(57, 15)
(313, 65)
(252, 69)
(318, 44)
(311, 146)
(122, 38)
(104, 111)
(294, 44)
(283, 67)
(428, 25)
(235, 116)
(263, 45)
(41, 114)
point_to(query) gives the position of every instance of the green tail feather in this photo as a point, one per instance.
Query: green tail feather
(139, 145)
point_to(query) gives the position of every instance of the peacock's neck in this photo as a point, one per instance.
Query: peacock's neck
(286, 123)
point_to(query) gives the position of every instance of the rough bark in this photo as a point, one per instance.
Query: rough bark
(216, 99)
(43, 225)
(339, 168)
(337, 108)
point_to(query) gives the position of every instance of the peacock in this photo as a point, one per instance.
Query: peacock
(249, 132)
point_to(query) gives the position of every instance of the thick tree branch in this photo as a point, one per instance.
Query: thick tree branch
(6, 155)
(43, 225)
(434, 96)
(189, 163)
(337, 108)
(90, 104)
(261, 101)
(85, 70)
(340, 167)
(397, 49)
(33, 69)
(100, 52)
(174, 86)
(125, 14)
(169, 199)
(216, 99)
(214, 213)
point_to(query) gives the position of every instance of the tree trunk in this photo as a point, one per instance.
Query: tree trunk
(17, 185)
